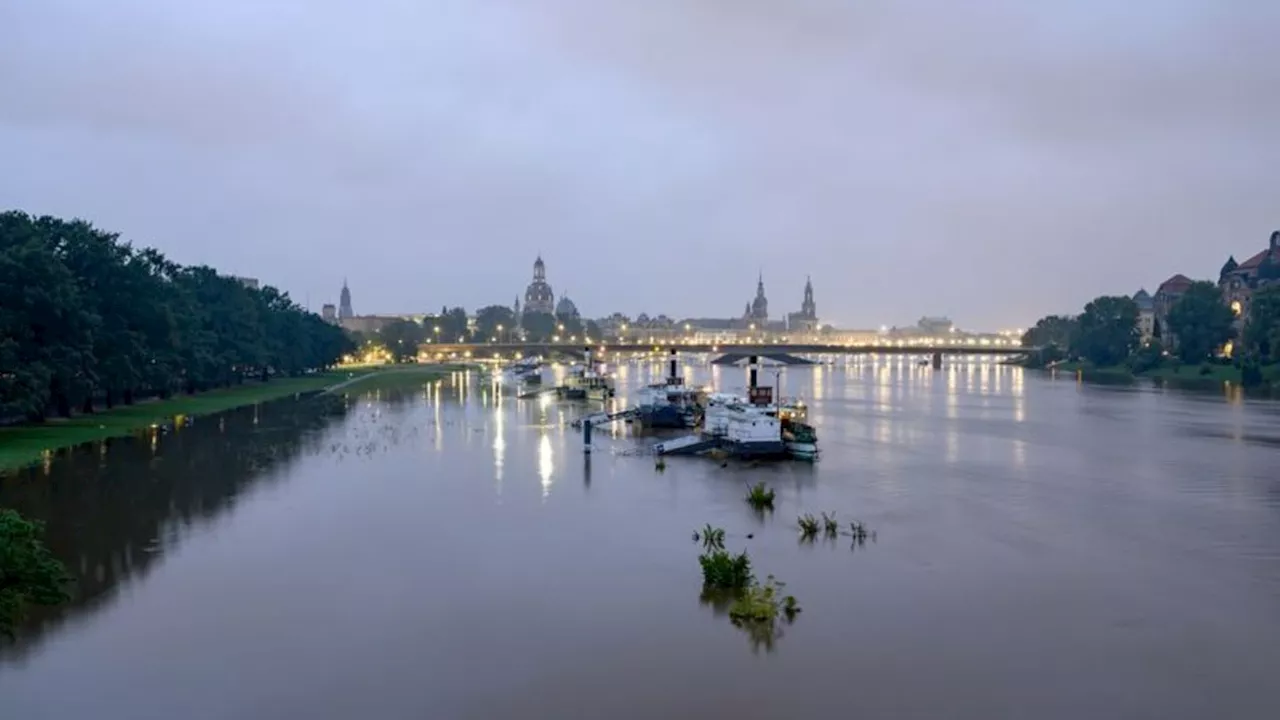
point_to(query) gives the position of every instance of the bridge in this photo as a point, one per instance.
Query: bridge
(510, 349)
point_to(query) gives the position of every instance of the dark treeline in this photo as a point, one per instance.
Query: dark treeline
(86, 319)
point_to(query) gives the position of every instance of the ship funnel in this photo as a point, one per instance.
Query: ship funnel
(587, 358)
(753, 362)
(673, 363)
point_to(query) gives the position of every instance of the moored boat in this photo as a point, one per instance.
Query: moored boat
(588, 383)
(669, 404)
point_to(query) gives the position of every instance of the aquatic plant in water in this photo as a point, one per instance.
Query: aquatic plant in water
(712, 537)
(829, 525)
(808, 525)
(760, 497)
(723, 570)
(763, 603)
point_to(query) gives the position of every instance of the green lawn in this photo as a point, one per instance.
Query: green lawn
(22, 445)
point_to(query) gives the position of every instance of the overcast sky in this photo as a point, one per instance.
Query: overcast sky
(994, 160)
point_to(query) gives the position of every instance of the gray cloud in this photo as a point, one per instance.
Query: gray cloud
(995, 160)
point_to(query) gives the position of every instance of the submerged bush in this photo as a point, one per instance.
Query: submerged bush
(723, 570)
(762, 603)
(760, 497)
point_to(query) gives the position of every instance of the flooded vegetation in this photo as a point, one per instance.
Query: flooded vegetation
(1046, 548)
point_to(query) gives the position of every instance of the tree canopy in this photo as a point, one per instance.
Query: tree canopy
(496, 322)
(1107, 330)
(87, 319)
(1053, 330)
(29, 574)
(402, 338)
(448, 326)
(1262, 334)
(1200, 322)
(538, 327)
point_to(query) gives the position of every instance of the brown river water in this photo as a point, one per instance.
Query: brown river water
(1042, 549)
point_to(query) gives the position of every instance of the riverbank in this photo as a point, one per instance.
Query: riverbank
(1216, 374)
(22, 445)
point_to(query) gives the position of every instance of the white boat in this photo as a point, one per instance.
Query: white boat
(746, 429)
(766, 427)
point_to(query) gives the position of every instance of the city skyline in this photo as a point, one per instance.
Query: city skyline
(991, 161)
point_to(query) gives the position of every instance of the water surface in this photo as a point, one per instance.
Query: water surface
(1043, 549)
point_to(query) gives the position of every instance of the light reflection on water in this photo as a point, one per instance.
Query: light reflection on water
(1023, 524)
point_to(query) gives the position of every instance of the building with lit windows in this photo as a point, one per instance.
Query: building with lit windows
(1238, 281)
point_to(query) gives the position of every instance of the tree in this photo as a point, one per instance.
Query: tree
(1262, 333)
(568, 325)
(1052, 330)
(29, 574)
(495, 321)
(538, 327)
(593, 331)
(1147, 357)
(1107, 331)
(1200, 322)
(402, 338)
(87, 319)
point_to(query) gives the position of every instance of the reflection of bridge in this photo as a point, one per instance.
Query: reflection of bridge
(482, 350)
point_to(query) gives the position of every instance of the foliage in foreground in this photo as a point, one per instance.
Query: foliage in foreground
(29, 574)
(760, 496)
(725, 571)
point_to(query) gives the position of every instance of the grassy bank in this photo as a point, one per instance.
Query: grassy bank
(1193, 374)
(22, 445)
(1092, 372)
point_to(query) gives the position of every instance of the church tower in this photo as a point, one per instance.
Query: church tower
(807, 307)
(344, 302)
(760, 306)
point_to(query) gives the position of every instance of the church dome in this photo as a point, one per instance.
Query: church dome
(538, 297)
(566, 307)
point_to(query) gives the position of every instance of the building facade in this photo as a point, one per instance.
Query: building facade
(1146, 314)
(1238, 281)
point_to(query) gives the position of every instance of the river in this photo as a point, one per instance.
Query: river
(1042, 549)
